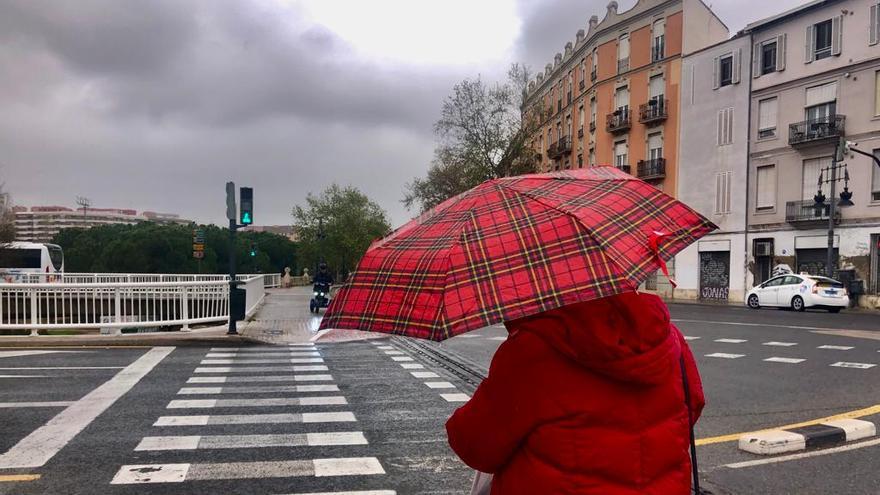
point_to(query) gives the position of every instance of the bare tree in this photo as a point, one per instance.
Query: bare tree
(7, 217)
(483, 133)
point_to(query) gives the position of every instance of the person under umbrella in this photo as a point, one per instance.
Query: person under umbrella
(595, 392)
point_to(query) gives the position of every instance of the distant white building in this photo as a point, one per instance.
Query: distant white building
(41, 223)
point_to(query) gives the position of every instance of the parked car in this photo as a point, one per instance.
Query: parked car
(799, 292)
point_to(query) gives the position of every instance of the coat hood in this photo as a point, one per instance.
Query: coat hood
(626, 337)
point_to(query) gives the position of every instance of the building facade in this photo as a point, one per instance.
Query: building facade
(41, 223)
(713, 180)
(815, 77)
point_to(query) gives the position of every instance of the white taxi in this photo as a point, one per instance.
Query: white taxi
(799, 292)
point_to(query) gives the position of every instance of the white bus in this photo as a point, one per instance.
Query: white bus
(30, 262)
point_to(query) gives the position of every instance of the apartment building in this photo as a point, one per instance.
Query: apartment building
(612, 96)
(714, 156)
(815, 78)
(41, 223)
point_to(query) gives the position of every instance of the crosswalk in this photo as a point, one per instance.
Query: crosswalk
(294, 378)
(728, 344)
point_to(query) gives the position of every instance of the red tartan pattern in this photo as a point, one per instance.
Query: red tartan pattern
(511, 248)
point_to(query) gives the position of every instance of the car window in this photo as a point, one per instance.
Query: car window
(774, 282)
(791, 280)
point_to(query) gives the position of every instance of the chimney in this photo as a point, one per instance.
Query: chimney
(612, 8)
(579, 38)
(594, 21)
(557, 60)
(548, 69)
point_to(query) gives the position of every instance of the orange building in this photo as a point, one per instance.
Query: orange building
(612, 97)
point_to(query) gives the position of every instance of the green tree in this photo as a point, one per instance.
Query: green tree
(483, 133)
(337, 226)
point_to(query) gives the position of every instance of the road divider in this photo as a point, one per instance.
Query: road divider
(817, 435)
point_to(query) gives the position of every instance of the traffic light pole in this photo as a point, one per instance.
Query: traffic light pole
(233, 226)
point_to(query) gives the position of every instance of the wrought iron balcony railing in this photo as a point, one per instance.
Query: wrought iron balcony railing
(816, 131)
(652, 169)
(654, 111)
(806, 211)
(618, 121)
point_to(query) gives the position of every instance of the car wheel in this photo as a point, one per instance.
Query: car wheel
(834, 310)
(797, 303)
(753, 302)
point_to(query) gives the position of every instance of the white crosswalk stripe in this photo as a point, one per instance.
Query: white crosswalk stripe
(785, 360)
(253, 419)
(731, 341)
(361, 492)
(263, 361)
(213, 355)
(256, 390)
(286, 401)
(263, 349)
(725, 355)
(691, 337)
(861, 366)
(193, 442)
(269, 378)
(780, 344)
(260, 369)
(835, 347)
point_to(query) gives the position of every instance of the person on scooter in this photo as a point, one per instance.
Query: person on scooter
(323, 277)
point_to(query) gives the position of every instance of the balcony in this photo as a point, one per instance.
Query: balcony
(618, 121)
(592, 126)
(624, 168)
(654, 111)
(582, 85)
(551, 151)
(593, 74)
(568, 100)
(818, 131)
(560, 148)
(559, 105)
(653, 169)
(804, 213)
(623, 65)
(657, 50)
(580, 132)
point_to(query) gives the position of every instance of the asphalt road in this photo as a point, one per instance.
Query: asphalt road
(368, 415)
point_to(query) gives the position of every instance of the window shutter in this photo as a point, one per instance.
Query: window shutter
(780, 51)
(737, 66)
(872, 26)
(836, 34)
(809, 43)
(715, 74)
(720, 126)
(756, 61)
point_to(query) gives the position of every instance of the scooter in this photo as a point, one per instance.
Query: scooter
(320, 298)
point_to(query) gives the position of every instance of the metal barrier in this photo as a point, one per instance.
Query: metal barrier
(270, 280)
(113, 306)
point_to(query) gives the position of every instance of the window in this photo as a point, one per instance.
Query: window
(580, 160)
(810, 178)
(722, 193)
(822, 45)
(593, 112)
(623, 53)
(655, 146)
(821, 104)
(656, 87)
(768, 57)
(726, 71)
(877, 93)
(621, 100)
(594, 58)
(581, 120)
(767, 110)
(725, 126)
(583, 72)
(592, 157)
(875, 179)
(874, 24)
(658, 45)
(568, 128)
(766, 187)
(620, 155)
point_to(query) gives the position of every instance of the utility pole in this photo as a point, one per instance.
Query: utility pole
(85, 203)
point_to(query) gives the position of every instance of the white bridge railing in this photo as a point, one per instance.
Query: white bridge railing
(270, 280)
(104, 302)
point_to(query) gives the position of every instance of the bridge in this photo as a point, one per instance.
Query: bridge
(110, 302)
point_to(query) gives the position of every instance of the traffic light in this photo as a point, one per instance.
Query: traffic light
(253, 250)
(230, 200)
(246, 216)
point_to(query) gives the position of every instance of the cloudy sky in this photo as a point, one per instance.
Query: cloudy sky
(155, 104)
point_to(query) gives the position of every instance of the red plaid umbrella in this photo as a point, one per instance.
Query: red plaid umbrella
(514, 247)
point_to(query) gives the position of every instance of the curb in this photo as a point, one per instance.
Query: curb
(821, 435)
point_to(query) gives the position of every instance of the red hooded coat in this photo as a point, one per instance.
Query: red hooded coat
(585, 399)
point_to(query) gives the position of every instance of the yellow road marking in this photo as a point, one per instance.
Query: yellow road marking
(858, 413)
(19, 477)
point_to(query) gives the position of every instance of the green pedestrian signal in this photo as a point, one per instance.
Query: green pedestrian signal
(246, 206)
(253, 251)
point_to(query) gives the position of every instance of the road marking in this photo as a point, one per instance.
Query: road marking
(19, 477)
(394, 353)
(15, 405)
(780, 344)
(401, 358)
(805, 455)
(311, 347)
(296, 401)
(253, 369)
(498, 338)
(176, 473)
(23, 376)
(385, 347)
(743, 324)
(262, 354)
(66, 368)
(691, 337)
(835, 347)
(257, 390)
(253, 419)
(302, 344)
(456, 397)
(731, 341)
(861, 366)
(439, 385)
(469, 336)
(262, 361)
(270, 378)
(194, 442)
(412, 366)
(858, 413)
(725, 355)
(6, 354)
(368, 492)
(424, 374)
(42, 444)
(785, 360)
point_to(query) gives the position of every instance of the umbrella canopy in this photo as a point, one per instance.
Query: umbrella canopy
(514, 247)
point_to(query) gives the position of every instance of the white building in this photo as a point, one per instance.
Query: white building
(41, 223)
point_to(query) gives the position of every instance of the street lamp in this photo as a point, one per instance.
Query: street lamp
(828, 175)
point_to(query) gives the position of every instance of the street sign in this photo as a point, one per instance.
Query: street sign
(230, 201)
(198, 243)
(198, 254)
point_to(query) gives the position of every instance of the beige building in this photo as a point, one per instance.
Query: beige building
(41, 223)
(815, 79)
